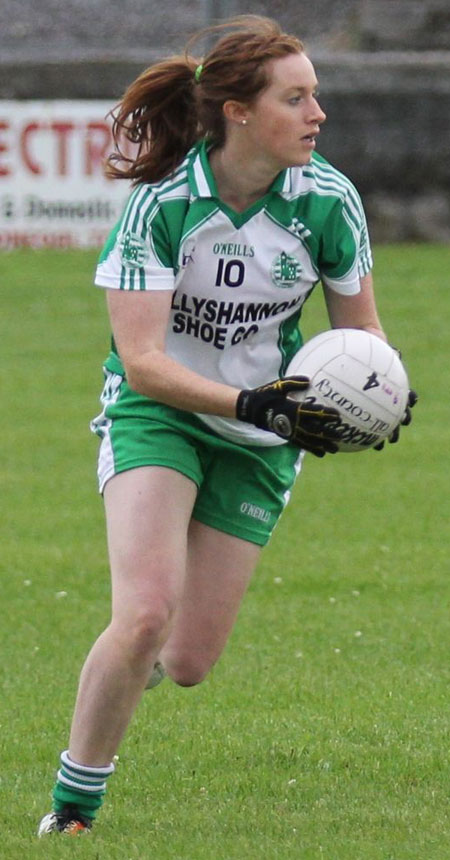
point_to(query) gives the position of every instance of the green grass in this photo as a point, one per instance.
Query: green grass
(323, 732)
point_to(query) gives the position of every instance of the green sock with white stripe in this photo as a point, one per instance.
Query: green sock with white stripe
(81, 786)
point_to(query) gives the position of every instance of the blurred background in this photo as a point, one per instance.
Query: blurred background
(383, 68)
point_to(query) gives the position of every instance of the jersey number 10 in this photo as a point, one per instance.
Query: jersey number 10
(231, 273)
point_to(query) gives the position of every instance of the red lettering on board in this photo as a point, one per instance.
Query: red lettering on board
(4, 169)
(98, 144)
(63, 130)
(24, 144)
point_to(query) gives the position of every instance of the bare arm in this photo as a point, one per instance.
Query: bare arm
(139, 323)
(357, 311)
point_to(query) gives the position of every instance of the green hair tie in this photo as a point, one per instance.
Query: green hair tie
(198, 72)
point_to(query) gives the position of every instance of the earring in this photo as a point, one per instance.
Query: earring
(244, 122)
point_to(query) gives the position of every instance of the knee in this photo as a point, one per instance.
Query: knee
(146, 628)
(187, 671)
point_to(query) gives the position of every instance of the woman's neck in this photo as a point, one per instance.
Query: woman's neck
(240, 182)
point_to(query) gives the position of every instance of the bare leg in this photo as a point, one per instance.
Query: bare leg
(147, 546)
(218, 572)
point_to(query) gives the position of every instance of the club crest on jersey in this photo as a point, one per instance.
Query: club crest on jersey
(286, 270)
(133, 250)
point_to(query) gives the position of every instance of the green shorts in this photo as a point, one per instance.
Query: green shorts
(242, 489)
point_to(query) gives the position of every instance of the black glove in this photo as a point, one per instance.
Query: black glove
(309, 425)
(407, 418)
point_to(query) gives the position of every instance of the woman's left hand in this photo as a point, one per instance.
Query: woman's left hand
(407, 418)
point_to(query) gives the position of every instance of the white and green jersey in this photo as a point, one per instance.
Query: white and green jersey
(239, 280)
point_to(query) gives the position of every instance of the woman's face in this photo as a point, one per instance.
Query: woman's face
(284, 121)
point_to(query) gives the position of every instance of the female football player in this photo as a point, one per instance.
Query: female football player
(232, 221)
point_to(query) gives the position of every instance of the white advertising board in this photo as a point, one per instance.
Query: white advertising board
(53, 192)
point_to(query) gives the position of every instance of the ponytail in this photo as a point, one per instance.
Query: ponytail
(158, 114)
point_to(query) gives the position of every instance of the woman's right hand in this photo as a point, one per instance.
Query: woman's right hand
(312, 426)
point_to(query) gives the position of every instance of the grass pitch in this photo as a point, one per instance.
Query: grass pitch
(323, 732)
